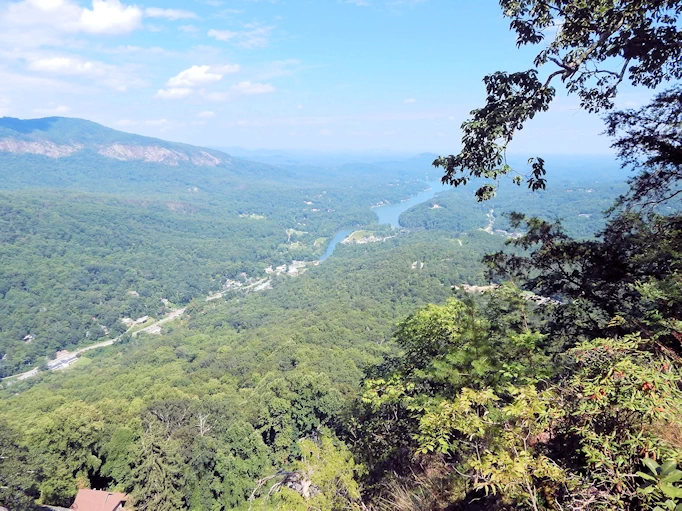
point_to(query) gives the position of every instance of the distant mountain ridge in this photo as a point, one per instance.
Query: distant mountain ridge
(61, 137)
(76, 154)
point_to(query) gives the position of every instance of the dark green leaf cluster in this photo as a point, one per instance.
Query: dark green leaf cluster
(512, 99)
(649, 140)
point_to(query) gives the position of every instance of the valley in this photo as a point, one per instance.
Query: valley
(270, 294)
(251, 306)
(387, 214)
(206, 242)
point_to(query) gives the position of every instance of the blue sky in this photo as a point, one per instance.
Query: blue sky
(326, 75)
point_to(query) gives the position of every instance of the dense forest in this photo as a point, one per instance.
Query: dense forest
(76, 263)
(516, 345)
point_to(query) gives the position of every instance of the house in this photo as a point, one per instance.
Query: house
(95, 500)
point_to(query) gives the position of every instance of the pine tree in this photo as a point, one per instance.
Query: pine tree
(158, 475)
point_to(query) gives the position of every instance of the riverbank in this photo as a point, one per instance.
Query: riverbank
(387, 214)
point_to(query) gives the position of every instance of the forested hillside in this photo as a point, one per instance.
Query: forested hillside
(579, 205)
(95, 242)
(264, 369)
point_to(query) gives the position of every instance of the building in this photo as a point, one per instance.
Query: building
(95, 500)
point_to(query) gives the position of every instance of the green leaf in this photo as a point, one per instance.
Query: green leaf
(671, 491)
(673, 476)
(651, 465)
(647, 477)
(668, 467)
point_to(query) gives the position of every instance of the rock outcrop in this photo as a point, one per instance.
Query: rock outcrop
(121, 152)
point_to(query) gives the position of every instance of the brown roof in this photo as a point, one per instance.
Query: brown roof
(95, 500)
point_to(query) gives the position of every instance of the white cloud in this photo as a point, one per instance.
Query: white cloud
(21, 83)
(115, 77)
(189, 29)
(222, 35)
(157, 125)
(103, 17)
(47, 5)
(195, 75)
(254, 36)
(59, 14)
(201, 75)
(57, 110)
(206, 115)
(410, 101)
(169, 14)
(253, 88)
(131, 49)
(227, 69)
(68, 66)
(109, 17)
(35, 22)
(163, 125)
(173, 93)
(157, 122)
(216, 96)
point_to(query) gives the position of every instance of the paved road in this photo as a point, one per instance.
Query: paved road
(69, 358)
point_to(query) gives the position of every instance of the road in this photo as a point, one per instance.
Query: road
(69, 358)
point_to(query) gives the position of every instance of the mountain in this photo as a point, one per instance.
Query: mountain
(59, 152)
(60, 137)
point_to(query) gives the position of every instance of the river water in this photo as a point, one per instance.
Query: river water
(338, 238)
(389, 214)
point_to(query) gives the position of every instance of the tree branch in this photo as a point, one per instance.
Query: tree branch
(657, 202)
(590, 49)
(551, 77)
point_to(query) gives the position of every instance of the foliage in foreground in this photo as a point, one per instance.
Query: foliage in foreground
(506, 439)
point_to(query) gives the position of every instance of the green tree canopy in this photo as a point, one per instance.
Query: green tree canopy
(19, 472)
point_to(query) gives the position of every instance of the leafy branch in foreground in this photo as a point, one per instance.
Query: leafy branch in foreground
(625, 281)
(662, 479)
(596, 45)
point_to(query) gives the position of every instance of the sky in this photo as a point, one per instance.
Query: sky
(321, 75)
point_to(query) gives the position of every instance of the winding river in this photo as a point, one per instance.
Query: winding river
(389, 214)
